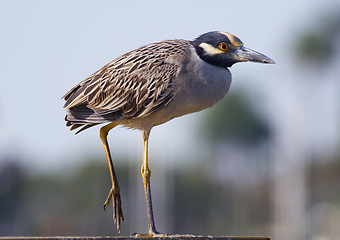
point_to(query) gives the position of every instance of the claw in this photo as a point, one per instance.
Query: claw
(108, 199)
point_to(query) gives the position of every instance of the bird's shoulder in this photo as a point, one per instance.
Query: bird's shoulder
(151, 55)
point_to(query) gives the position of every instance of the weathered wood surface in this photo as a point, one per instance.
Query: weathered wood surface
(171, 237)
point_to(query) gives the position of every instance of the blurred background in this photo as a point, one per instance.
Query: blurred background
(264, 161)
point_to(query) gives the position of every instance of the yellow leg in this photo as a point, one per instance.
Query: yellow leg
(146, 174)
(114, 193)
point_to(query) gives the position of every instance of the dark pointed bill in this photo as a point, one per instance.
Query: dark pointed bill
(244, 54)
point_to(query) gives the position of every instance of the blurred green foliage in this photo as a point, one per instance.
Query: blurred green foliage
(48, 205)
(318, 43)
(72, 205)
(233, 119)
(205, 207)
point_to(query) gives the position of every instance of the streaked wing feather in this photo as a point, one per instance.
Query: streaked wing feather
(135, 84)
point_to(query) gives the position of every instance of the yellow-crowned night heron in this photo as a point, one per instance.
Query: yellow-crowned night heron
(152, 85)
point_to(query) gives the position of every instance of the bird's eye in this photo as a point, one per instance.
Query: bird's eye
(223, 46)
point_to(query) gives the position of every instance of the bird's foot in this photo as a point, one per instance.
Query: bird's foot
(114, 195)
(151, 234)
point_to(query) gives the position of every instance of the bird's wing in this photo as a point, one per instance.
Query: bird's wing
(133, 85)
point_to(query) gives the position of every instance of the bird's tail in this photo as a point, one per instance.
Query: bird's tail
(81, 116)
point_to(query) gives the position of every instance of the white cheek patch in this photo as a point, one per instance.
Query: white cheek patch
(209, 49)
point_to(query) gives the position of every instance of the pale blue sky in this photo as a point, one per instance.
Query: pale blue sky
(49, 46)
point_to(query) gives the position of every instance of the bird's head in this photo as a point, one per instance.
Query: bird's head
(224, 49)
